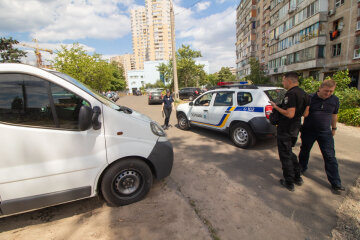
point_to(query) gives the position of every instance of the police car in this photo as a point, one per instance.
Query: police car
(240, 110)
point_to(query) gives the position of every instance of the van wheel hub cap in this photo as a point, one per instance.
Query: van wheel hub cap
(127, 182)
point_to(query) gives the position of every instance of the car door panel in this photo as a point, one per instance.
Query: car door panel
(221, 110)
(199, 112)
(37, 158)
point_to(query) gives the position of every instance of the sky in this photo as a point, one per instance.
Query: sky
(104, 27)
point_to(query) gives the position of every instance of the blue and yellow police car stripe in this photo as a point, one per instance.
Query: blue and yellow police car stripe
(226, 116)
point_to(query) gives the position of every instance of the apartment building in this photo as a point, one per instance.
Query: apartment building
(313, 37)
(151, 32)
(139, 30)
(298, 37)
(343, 48)
(245, 36)
(127, 61)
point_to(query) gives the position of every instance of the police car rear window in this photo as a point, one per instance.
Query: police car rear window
(275, 95)
(244, 98)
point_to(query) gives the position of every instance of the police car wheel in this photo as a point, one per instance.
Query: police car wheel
(183, 122)
(242, 136)
(126, 182)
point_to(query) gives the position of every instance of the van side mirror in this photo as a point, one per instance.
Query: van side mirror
(191, 103)
(85, 118)
(95, 118)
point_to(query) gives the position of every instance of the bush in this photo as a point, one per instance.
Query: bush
(350, 116)
(349, 98)
(310, 85)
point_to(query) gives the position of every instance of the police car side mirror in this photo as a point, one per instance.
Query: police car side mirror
(191, 103)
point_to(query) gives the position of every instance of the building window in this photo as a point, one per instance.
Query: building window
(358, 25)
(321, 53)
(338, 3)
(357, 40)
(336, 50)
(356, 53)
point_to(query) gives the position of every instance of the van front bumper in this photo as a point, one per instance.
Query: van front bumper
(161, 158)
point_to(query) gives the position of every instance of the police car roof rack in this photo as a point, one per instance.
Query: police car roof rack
(240, 86)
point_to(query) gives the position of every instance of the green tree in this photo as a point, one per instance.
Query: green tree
(225, 75)
(8, 53)
(166, 71)
(210, 80)
(257, 75)
(189, 73)
(91, 70)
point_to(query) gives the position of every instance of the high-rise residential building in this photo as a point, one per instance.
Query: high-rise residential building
(151, 32)
(139, 30)
(297, 37)
(342, 50)
(313, 37)
(127, 61)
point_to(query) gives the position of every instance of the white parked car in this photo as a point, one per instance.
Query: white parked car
(240, 110)
(61, 142)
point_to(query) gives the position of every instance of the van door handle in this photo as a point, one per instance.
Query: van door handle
(206, 110)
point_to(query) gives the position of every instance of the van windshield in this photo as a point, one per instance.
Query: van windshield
(87, 89)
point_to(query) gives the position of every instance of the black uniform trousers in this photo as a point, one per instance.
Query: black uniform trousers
(327, 147)
(286, 140)
(167, 112)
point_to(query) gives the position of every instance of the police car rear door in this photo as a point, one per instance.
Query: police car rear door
(200, 110)
(221, 109)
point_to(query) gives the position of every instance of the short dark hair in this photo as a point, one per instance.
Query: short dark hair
(294, 76)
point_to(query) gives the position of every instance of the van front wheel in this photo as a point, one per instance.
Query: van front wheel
(126, 182)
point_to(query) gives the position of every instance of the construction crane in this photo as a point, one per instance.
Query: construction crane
(37, 52)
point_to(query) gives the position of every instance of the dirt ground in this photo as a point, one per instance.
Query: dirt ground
(215, 191)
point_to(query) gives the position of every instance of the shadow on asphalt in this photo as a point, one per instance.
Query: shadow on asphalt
(51, 214)
(310, 205)
(261, 144)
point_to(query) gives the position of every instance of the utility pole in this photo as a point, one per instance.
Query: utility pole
(173, 46)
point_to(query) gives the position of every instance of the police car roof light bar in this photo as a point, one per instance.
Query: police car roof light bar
(240, 86)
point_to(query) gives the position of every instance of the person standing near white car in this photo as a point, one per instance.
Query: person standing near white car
(167, 106)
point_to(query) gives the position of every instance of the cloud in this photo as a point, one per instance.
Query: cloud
(214, 36)
(67, 19)
(202, 6)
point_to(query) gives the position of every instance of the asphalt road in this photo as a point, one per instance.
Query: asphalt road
(215, 191)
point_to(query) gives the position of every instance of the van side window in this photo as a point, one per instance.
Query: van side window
(224, 99)
(67, 106)
(24, 100)
(244, 98)
(32, 101)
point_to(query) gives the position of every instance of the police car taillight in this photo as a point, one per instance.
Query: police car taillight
(150, 96)
(268, 111)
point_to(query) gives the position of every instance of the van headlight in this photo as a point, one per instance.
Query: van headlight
(157, 130)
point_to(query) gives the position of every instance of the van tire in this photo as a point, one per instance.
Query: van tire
(242, 135)
(132, 172)
(191, 98)
(183, 122)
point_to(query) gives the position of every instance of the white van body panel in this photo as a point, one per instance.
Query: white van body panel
(37, 161)
(136, 137)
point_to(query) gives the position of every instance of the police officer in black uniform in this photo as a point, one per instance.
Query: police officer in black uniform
(294, 105)
(320, 126)
(167, 106)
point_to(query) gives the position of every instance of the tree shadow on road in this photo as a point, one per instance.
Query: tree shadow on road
(259, 170)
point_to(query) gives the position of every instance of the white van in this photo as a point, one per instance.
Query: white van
(61, 141)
